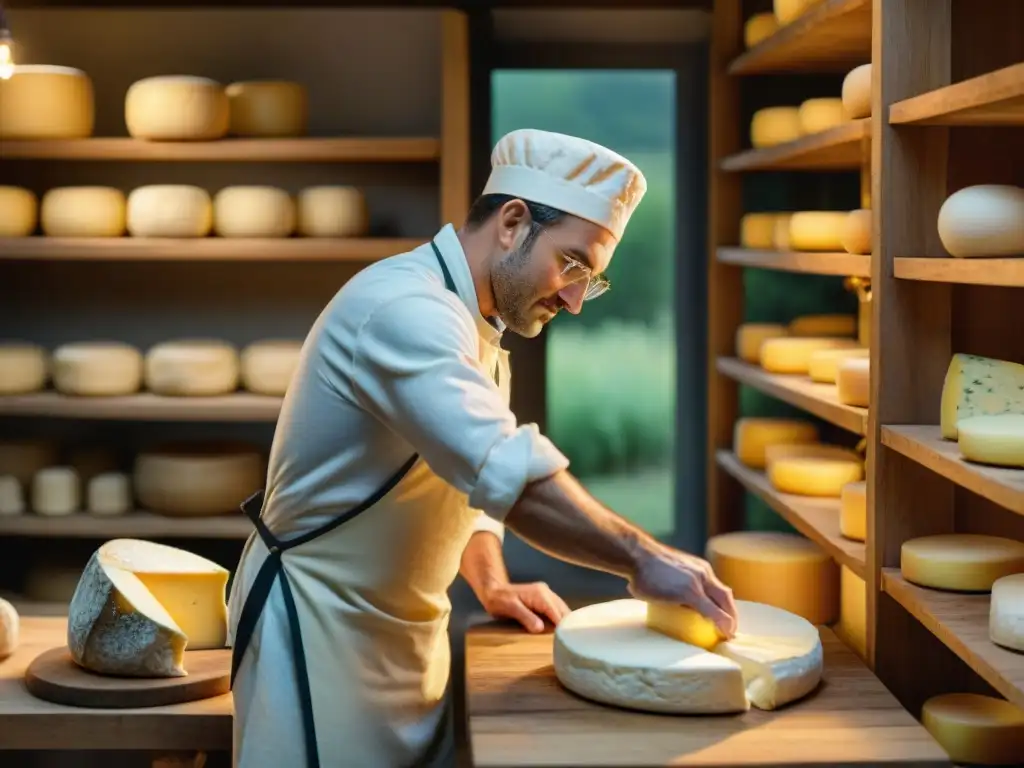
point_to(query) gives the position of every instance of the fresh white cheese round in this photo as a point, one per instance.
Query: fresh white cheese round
(856, 232)
(197, 480)
(268, 108)
(56, 491)
(821, 114)
(983, 220)
(24, 368)
(19, 211)
(1006, 612)
(759, 27)
(253, 211)
(9, 628)
(775, 125)
(83, 212)
(41, 101)
(97, 368)
(12, 496)
(332, 211)
(109, 494)
(176, 108)
(857, 92)
(268, 366)
(192, 367)
(169, 210)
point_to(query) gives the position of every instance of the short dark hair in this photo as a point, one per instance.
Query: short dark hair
(486, 205)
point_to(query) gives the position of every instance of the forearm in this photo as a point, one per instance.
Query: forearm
(483, 564)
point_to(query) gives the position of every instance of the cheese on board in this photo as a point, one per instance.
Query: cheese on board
(784, 570)
(24, 368)
(757, 230)
(197, 480)
(607, 653)
(12, 496)
(960, 562)
(192, 368)
(1006, 612)
(56, 491)
(9, 626)
(109, 494)
(253, 211)
(787, 11)
(856, 233)
(979, 386)
(23, 458)
(41, 101)
(983, 220)
(818, 115)
(169, 210)
(176, 108)
(780, 235)
(852, 626)
(853, 382)
(793, 354)
(138, 605)
(997, 440)
(332, 211)
(774, 125)
(18, 211)
(267, 108)
(759, 27)
(857, 92)
(752, 435)
(816, 230)
(809, 476)
(824, 325)
(976, 729)
(853, 511)
(83, 212)
(823, 365)
(683, 623)
(97, 368)
(750, 336)
(267, 366)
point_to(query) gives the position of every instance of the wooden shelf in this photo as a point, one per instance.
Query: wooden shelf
(800, 391)
(924, 444)
(960, 621)
(300, 150)
(845, 264)
(815, 518)
(995, 98)
(834, 36)
(134, 525)
(241, 406)
(838, 148)
(1005, 272)
(203, 248)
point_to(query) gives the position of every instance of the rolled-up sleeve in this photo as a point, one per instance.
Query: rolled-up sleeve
(416, 368)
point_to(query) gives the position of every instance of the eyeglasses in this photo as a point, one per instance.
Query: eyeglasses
(575, 271)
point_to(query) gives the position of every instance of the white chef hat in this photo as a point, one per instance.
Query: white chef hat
(568, 173)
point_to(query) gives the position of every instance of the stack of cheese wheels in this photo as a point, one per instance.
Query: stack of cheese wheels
(24, 368)
(821, 114)
(997, 440)
(267, 108)
(332, 211)
(792, 354)
(823, 325)
(817, 230)
(253, 211)
(853, 611)
(1006, 612)
(983, 220)
(267, 366)
(823, 365)
(757, 230)
(56, 491)
(856, 232)
(197, 480)
(853, 511)
(47, 102)
(192, 368)
(97, 368)
(176, 108)
(960, 562)
(974, 729)
(83, 212)
(19, 211)
(856, 92)
(1002, 393)
(853, 381)
(750, 337)
(759, 27)
(753, 435)
(9, 629)
(785, 570)
(774, 125)
(169, 210)
(813, 470)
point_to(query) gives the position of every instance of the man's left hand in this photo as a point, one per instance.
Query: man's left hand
(528, 604)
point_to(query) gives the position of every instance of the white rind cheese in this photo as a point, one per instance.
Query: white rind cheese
(253, 211)
(192, 368)
(1006, 612)
(169, 210)
(42, 101)
(19, 211)
(24, 368)
(176, 108)
(983, 220)
(9, 629)
(97, 368)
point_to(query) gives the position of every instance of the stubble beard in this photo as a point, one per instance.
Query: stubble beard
(514, 294)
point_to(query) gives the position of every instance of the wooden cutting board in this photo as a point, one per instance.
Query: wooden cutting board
(55, 677)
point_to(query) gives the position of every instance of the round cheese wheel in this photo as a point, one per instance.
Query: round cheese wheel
(983, 220)
(12, 496)
(23, 458)
(785, 570)
(253, 211)
(774, 125)
(975, 729)
(823, 366)
(753, 435)
(818, 115)
(855, 233)
(817, 230)
(759, 27)
(780, 236)
(83, 212)
(56, 491)
(176, 108)
(169, 210)
(783, 451)
(197, 480)
(960, 562)
(109, 494)
(810, 476)
(268, 366)
(267, 108)
(853, 382)
(852, 626)
(1006, 612)
(192, 367)
(823, 325)
(750, 337)
(853, 511)
(857, 92)
(789, 10)
(97, 368)
(757, 230)
(18, 212)
(23, 368)
(332, 211)
(793, 355)
(996, 439)
(9, 629)
(46, 102)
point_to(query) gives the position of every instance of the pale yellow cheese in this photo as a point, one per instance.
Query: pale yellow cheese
(109, 494)
(823, 365)
(750, 336)
(853, 382)
(1006, 612)
(774, 125)
(821, 114)
(267, 366)
(18, 211)
(41, 101)
(784, 570)
(960, 562)
(857, 92)
(810, 476)
(759, 27)
(780, 234)
(853, 511)
(823, 325)
(56, 491)
(9, 629)
(975, 729)
(997, 440)
(983, 220)
(816, 230)
(267, 108)
(97, 368)
(169, 210)
(197, 480)
(852, 626)
(757, 230)
(753, 434)
(24, 368)
(856, 232)
(683, 623)
(192, 368)
(793, 355)
(176, 108)
(787, 11)
(332, 211)
(83, 212)
(253, 211)
(979, 386)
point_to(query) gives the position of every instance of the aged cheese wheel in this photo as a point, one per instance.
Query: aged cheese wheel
(759, 27)
(853, 511)
(757, 230)
(853, 611)
(774, 125)
(817, 230)
(789, 10)
(857, 92)
(823, 365)
(853, 382)
(974, 729)
(811, 476)
(780, 235)
(983, 220)
(253, 211)
(267, 108)
(46, 102)
(267, 366)
(785, 570)
(100, 368)
(9, 627)
(995, 439)
(169, 210)
(176, 108)
(24, 368)
(109, 494)
(12, 496)
(753, 435)
(855, 234)
(818, 115)
(19, 211)
(750, 336)
(192, 367)
(1006, 612)
(197, 480)
(793, 355)
(83, 212)
(960, 562)
(23, 458)
(823, 325)
(56, 491)
(332, 211)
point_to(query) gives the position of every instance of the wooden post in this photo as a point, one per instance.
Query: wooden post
(455, 136)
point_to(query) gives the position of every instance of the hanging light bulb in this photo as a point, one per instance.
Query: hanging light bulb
(6, 48)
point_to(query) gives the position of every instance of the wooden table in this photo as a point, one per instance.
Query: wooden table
(519, 715)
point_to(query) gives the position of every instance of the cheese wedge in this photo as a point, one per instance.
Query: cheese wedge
(979, 386)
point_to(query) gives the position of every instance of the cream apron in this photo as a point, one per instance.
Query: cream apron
(323, 677)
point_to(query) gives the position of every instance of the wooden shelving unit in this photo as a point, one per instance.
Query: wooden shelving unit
(137, 524)
(947, 112)
(241, 406)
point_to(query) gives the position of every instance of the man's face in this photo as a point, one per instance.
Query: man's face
(534, 276)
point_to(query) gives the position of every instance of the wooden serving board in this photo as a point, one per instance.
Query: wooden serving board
(54, 676)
